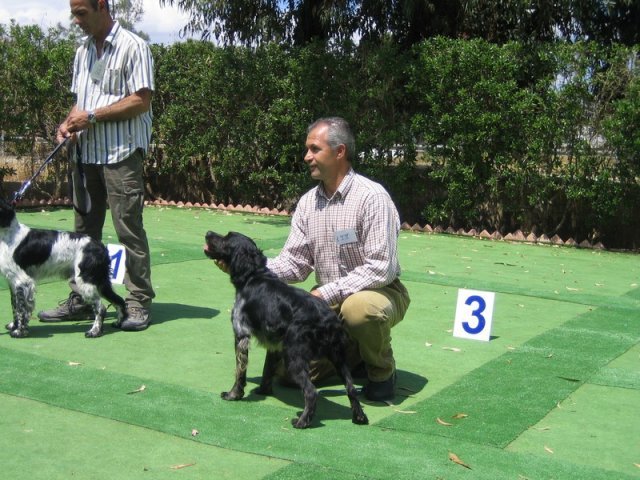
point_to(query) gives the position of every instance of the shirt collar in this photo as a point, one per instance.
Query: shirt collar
(343, 188)
(112, 34)
(90, 40)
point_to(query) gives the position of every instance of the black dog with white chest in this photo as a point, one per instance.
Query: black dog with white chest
(291, 323)
(27, 255)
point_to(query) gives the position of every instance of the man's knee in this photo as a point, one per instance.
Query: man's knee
(362, 308)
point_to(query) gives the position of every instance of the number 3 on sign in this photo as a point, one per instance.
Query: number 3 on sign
(474, 314)
(118, 256)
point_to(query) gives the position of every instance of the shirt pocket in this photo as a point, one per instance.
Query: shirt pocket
(350, 256)
(114, 82)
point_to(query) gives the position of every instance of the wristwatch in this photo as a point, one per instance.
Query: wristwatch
(92, 117)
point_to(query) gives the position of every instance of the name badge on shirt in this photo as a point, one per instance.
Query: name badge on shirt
(97, 71)
(344, 237)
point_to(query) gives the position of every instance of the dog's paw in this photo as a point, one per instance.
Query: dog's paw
(232, 395)
(10, 326)
(93, 333)
(19, 332)
(360, 419)
(300, 423)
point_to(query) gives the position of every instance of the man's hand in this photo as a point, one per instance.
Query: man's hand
(63, 132)
(77, 121)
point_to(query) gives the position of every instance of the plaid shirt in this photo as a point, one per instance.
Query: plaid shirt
(126, 66)
(350, 239)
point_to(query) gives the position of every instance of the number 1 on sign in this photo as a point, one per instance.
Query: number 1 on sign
(474, 314)
(117, 255)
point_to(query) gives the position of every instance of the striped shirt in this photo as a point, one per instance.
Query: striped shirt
(350, 239)
(126, 66)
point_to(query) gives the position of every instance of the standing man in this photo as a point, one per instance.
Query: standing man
(111, 122)
(346, 230)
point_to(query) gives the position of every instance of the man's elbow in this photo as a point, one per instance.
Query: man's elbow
(144, 99)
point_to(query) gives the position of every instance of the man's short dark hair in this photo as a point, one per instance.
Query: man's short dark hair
(94, 4)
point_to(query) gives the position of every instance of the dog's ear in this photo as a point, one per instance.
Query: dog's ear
(246, 258)
(7, 213)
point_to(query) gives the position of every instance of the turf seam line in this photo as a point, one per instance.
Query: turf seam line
(523, 293)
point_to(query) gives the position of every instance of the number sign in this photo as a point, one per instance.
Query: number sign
(474, 314)
(118, 256)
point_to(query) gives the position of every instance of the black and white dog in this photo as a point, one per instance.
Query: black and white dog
(291, 323)
(27, 255)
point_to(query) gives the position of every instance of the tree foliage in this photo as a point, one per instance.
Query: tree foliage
(235, 128)
(538, 153)
(129, 13)
(34, 87)
(407, 22)
(462, 133)
(468, 133)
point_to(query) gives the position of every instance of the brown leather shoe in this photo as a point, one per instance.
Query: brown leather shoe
(72, 308)
(137, 319)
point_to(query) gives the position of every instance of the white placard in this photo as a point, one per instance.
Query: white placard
(118, 256)
(474, 314)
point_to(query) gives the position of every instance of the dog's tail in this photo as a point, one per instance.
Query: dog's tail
(95, 268)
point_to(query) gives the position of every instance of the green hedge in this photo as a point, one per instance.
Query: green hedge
(539, 138)
(231, 122)
(463, 133)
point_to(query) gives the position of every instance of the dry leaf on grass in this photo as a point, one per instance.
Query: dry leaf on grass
(182, 465)
(194, 432)
(637, 465)
(442, 422)
(73, 364)
(452, 349)
(427, 344)
(404, 411)
(460, 415)
(455, 459)
(141, 389)
(548, 449)
(569, 379)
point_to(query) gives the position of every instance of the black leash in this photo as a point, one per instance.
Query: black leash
(20, 193)
(78, 183)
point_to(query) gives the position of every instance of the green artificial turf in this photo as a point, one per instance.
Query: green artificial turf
(527, 382)
(553, 395)
(51, 443)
